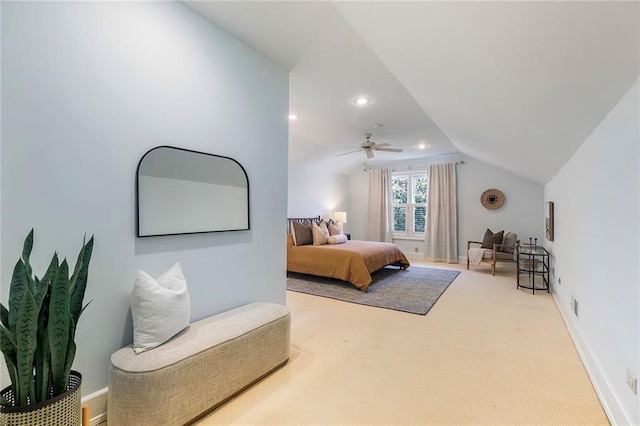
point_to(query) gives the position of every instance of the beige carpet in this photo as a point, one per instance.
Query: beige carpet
(486, 354)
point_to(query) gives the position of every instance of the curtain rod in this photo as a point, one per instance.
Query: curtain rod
(410, 167)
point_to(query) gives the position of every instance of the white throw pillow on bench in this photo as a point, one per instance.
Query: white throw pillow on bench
(160, 307)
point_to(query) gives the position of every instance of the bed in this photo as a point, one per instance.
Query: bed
(352, 261)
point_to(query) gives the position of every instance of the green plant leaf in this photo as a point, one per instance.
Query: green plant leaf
(79, 280)
(27, 246)
(43, 354)
(52, 269)
(43, 286)
(26, 335)
(43, 315)
(59, 321)
(71, 354)
(4, 315)
(7, 340)
(79, 262)
(8, 347)
(16, 291)
(26, 253)
(42, 366)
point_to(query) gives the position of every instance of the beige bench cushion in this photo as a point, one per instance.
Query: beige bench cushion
(201, 367)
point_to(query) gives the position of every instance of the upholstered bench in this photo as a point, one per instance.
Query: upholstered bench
(211, 361)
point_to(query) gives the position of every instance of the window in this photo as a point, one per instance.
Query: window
(409, 203)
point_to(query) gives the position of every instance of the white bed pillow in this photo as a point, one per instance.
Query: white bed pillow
(160, 307)
(320, 233)
(337, 239)
(335, 229)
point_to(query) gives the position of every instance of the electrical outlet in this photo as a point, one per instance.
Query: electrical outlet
(415, 249)
(632, 382)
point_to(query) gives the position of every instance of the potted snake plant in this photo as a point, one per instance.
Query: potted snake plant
(37, 334)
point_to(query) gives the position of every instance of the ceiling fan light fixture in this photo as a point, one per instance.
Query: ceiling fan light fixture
(361, 100)
(369, 146)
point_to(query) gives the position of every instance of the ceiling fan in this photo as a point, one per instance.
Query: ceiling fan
(369, 146)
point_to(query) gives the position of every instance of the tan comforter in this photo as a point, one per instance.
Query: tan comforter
(352, 261)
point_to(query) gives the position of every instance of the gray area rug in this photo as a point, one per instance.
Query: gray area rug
(414, 290)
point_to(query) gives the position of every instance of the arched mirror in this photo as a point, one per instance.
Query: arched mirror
(180, 191)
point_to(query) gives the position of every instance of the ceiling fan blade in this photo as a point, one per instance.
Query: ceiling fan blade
(383, 144)
(350, 152)
(389, 149)
(369, 153)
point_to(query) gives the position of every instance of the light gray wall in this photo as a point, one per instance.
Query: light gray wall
(596, 253)
(313, 192)
(521, 212)
(87, 89)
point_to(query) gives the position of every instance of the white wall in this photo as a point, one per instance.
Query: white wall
(313, 192)
(596, 253)
(521, 212)
(87, 89)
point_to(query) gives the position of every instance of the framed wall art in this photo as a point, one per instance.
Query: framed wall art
(548, 220)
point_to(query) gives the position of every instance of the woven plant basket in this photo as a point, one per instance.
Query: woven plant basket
(63, 410)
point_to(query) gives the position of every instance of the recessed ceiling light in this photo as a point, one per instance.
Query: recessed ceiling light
(293, 117)
(422, 145)
(362, 100)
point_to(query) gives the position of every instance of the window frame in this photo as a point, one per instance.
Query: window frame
(410, 205)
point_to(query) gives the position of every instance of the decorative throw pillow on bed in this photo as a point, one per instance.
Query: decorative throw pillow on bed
(337, 239)
(320, 233)
(490, 239)
(334, 229)
(160, 307)
(301, 232)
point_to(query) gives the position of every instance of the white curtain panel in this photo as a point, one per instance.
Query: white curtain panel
(379, 219)
(441, 236)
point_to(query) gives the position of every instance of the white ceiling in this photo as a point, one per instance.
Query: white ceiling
(516, 84)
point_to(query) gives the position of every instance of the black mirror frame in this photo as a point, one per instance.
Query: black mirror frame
(196, 232)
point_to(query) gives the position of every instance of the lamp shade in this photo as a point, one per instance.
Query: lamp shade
(340, 217)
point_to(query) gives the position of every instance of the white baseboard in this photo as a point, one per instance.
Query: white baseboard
(97, 403)
(616, 411)
(414, 255)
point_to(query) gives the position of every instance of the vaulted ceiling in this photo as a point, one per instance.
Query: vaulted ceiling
(519, 85)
